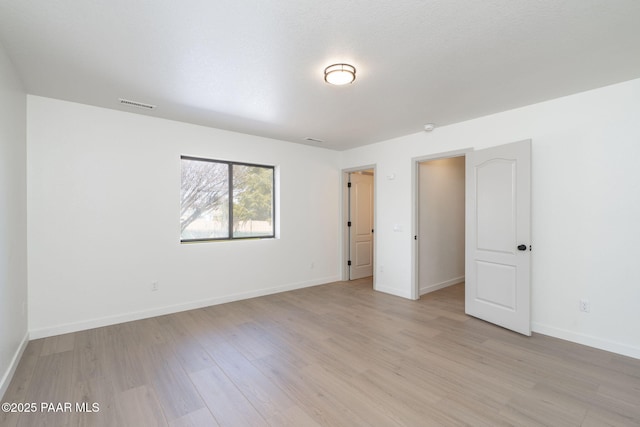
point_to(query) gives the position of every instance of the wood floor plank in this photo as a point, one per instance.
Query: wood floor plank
(50, 385)
(192, 356)
(339, 354)
(269, 400)
(399, 401)
(322, 404)
(139, 407)
(96, 391)
(123, 362)
(89, 355)
(360, 404)
(250, 340)
(226, 403)
(147, 332)
(599, 417)
(58, 344)
(24, 372)
(201, 417)
(545, 405)
(173, 388)
(462, 410)
(17, 390)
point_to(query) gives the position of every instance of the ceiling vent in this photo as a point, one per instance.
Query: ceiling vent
(136, 104)
(313, 139)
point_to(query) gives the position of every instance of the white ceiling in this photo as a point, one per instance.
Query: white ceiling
(255, 66)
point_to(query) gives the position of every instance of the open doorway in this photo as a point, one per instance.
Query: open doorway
(440, 224)
(358, 209)
(497, 230)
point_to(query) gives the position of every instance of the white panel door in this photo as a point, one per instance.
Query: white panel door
(498, 235)
(361, 230)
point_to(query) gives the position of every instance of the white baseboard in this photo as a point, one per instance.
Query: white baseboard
(393, 291)
(8, 375)
(441, 285)
(588, 340)
(160, 311)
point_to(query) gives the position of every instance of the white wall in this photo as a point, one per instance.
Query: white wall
(103, 206)
(585, 208)
(103, 194)
(441, 223)
(13, 221)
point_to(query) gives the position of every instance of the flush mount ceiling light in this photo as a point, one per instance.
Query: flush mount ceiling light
(340, 74)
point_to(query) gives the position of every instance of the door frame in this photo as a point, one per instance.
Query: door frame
(415, 214)
(344, 217)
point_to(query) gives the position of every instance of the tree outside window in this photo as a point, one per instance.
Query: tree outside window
(206, 212)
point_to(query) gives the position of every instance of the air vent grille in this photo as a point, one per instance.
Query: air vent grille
(136, 104)
(312, 139)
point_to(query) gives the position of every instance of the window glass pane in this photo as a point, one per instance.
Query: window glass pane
(252, 201)
(204, 200)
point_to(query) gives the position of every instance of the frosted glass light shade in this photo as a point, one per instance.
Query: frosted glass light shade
(339, 74)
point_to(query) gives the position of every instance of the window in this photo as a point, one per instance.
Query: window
(225, 200)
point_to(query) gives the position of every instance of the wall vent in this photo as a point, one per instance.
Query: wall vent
(136, 104)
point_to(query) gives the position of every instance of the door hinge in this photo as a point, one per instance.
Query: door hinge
(349, 224)
(349, 262)
(349, 184)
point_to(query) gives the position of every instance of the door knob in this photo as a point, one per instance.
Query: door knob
(522, 247)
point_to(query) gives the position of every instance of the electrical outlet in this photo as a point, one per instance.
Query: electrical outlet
(312, 265)
(154, 286)
(381, 269)
(585, 305)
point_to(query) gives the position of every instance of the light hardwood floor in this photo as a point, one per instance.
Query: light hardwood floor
(338, 354)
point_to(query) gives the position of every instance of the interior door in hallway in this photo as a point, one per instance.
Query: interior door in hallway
(361, 229)
(498, 235)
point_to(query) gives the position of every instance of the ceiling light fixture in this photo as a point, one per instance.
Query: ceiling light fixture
(340, 74)
(429, 127)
